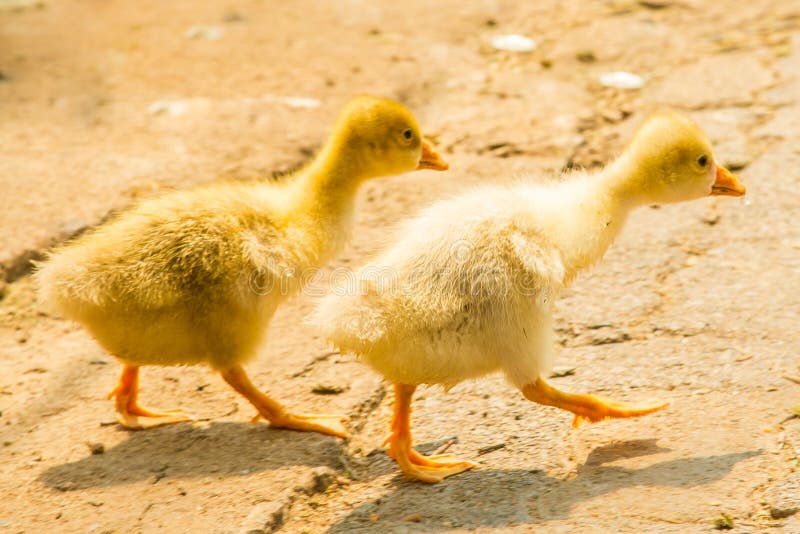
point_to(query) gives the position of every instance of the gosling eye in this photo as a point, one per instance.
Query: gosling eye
(408, 134)
(702, 160)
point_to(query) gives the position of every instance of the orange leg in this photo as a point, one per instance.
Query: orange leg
(415, 466)
(130, 413)
(276, 414)
(587, 407)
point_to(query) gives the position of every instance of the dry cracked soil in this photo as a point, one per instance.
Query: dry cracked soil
(104, 101)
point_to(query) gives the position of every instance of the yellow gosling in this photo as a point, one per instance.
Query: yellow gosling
(195, 276)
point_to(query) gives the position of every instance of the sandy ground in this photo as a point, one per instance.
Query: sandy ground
(102, 102)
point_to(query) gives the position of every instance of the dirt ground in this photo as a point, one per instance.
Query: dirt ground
(105, 101)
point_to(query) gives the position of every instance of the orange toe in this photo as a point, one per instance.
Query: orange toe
(587, 407)
(329, 424)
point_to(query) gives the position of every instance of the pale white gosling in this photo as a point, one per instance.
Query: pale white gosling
(195, 276)
(469, 286)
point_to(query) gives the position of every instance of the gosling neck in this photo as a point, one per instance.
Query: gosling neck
(324, 201)
(603, 202)
(627, 179)
(329, 184)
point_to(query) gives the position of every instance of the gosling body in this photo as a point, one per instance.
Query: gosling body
(195, 276)
(468, 286)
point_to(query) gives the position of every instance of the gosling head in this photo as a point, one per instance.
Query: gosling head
(672, 161)
(380, 137)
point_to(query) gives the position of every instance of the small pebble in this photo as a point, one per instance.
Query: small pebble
(324, 389)
(621, 80)
(96, 448)
(513, 43)
(301, 102)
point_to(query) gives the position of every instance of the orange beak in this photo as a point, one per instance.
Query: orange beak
(727, 184)
(431, 159)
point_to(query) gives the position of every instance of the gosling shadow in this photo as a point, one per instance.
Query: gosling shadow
(183, 451)
(497, 498)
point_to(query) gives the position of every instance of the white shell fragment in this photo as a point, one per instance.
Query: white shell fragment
(301, 102)
(513, 43)
(173, 108)
(210, 33)
(621, 80)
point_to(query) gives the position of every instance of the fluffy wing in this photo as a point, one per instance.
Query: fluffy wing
(176, 249)
(461, 277)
